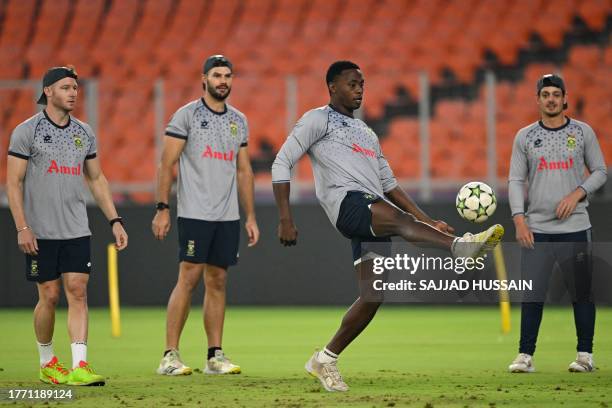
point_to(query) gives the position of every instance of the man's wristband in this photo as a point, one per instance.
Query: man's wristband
(161, 206)
(114, 220)
(23, 228)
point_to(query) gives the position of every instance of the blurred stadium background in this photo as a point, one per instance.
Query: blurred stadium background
(448, 84)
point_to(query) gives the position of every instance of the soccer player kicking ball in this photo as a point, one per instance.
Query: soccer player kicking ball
(551, 155)
(49, 156)
(362, 199)
(210, 138)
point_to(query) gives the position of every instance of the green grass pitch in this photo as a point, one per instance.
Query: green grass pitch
(409, 356)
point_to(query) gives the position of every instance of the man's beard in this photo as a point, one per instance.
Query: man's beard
(213, 92)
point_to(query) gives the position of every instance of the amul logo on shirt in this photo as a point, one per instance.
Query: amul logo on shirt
(363, 150)
(209, 153)
(67, 170)
(555, 165)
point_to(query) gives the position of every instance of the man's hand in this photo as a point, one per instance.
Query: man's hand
(27, 242)
(121, 237)
(568, 204)
(252, 231)
(161, 224)
(287, 233)
(524, 236)
(442, 227)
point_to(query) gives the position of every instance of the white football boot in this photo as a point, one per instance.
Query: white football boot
(220, 364)
(583, 363)
(171, 364)
(523, 363)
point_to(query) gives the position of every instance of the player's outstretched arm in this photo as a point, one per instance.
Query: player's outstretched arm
(98, 185)
(246, 194)
(15, 174)
(173, 147)
(401, 199)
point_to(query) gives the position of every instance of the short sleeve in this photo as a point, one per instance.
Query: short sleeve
(179, 125)
(245, 133)
(93, 145)
(21, 142)
(309, 129)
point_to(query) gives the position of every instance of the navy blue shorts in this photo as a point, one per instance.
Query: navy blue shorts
(56, 256)
(355, 223)
(209, 242)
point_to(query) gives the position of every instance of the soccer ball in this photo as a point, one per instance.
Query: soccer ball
(476, 202)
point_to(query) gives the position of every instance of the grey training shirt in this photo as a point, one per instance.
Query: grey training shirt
(345, 155)
(553, 162)
(54, 191)
(207, 186)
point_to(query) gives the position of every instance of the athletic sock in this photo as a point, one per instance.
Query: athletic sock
(45, 352)
(325, 356)
(453, 245)
(79, 353)
(211, 351)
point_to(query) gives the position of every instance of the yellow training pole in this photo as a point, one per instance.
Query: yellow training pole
(504, 302)
(113, 290)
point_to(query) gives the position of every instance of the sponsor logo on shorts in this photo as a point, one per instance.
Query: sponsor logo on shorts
(369, 196)
(190, 248)
(34, 268)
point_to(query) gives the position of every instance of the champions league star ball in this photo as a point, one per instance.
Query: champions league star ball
(476, 202)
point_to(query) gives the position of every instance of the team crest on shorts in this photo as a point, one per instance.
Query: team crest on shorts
(190, 248)
(368, 196)
(34, 268)
(571, 142)
(233, 128)
(78, 142)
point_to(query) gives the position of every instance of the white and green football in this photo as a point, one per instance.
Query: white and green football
(476, 202)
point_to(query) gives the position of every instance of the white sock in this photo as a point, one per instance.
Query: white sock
(79, 353)
(45, 352)
(326, 356)
(454, 244)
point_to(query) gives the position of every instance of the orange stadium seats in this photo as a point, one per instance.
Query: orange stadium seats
(129, 44)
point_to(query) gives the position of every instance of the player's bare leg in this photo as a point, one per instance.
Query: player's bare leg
(215, 279)
(323, 364)
(180, 302)
(361, 312)
(75, 287)
(44, 313)
(388, 220)
(214, 304)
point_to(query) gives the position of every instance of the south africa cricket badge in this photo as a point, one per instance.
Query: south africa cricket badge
(78, 142)
(190, 248)
(34, 268)
(571, 142)
(233, 129)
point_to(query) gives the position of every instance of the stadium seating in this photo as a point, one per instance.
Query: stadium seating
(129, 44)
